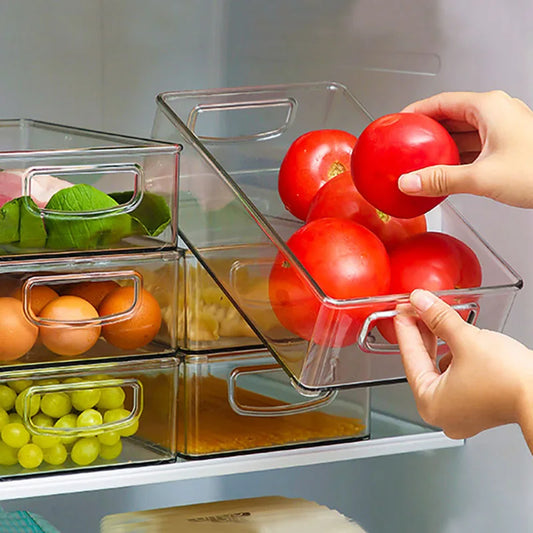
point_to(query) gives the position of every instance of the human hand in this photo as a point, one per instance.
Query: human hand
(494, 134)
(486, 380)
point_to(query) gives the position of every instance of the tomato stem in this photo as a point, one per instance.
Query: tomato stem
(383, 216)
(335, 169)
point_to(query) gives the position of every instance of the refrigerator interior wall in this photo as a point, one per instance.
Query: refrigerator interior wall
(100, 64)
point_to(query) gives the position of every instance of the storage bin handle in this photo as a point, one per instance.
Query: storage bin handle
(252, 105)
(124, 423)
(56, 279)
(130, 205)
(366, 344)
(322, 399)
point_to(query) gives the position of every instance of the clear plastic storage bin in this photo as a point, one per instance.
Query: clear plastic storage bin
(86, 307)
(208, 322)
(232, 219)
(90, 416)
(244, 402)
(66, 189)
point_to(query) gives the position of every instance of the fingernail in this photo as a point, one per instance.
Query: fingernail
(422, 300)
(410, 183)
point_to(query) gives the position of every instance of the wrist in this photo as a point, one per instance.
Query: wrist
(525, 401)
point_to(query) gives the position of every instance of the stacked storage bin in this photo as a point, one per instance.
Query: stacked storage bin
(88, 284)
(234, 396)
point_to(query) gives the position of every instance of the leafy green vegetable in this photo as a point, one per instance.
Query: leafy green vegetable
(87, 231)
(31, 229)
(152, 214)
(22, 225)
(9, 221)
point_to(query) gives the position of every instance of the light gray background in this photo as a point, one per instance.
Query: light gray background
(100, 63)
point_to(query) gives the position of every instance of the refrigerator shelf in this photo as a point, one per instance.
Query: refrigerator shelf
(391, 436)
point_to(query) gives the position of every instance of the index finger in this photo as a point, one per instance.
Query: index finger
(419, 366)
(455, 106)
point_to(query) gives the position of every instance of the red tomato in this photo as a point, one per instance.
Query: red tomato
(339, 198)
(312, 159)
(433, 261)
(346, 260)
(394, 145)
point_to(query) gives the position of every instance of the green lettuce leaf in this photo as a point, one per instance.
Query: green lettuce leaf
(152, 215)
(32, 231)
(9, 221)
(84, 232)
(21, 224)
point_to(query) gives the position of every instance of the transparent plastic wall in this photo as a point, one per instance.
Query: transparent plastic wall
(232, 219)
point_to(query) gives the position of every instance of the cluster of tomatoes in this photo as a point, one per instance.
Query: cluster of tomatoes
(362, 237)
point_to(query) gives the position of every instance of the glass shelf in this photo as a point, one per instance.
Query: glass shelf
(391, 435)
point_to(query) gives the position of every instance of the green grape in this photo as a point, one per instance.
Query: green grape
(35, 402)
(85, 399)
(109, 438)
(115, 415)
(111, 398)
(42, 420)
(45, 441)
(56, 404)
(4, 418)
(72, 380)
(51, 381)
(15, 435)
(67, 421)
(85, 451)
(98, 377)
(56, 455)
(30, 456)
(7, 397)
(88, 418)
(15, 418)
(20, 384)
(8, 455)
(111, 452)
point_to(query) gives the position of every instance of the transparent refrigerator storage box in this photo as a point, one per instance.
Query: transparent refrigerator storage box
(208, 322)
(244, 402)
(85, 307)
(232, 219)
(66, 189)
(87, 416)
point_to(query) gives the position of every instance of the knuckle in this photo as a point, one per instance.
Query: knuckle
(519, 102)
(438, 181)
(438, 321)
(498, 95)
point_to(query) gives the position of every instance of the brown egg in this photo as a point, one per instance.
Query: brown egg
(17, 333)
(67, 339)
(138, 329)
(39, 296)
(92, 291)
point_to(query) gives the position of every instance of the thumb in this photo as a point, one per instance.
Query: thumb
(440, 318)
(439, 180)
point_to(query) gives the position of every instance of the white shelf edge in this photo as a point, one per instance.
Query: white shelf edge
(68, 483)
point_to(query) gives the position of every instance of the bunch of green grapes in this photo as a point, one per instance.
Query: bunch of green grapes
(76, 409)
